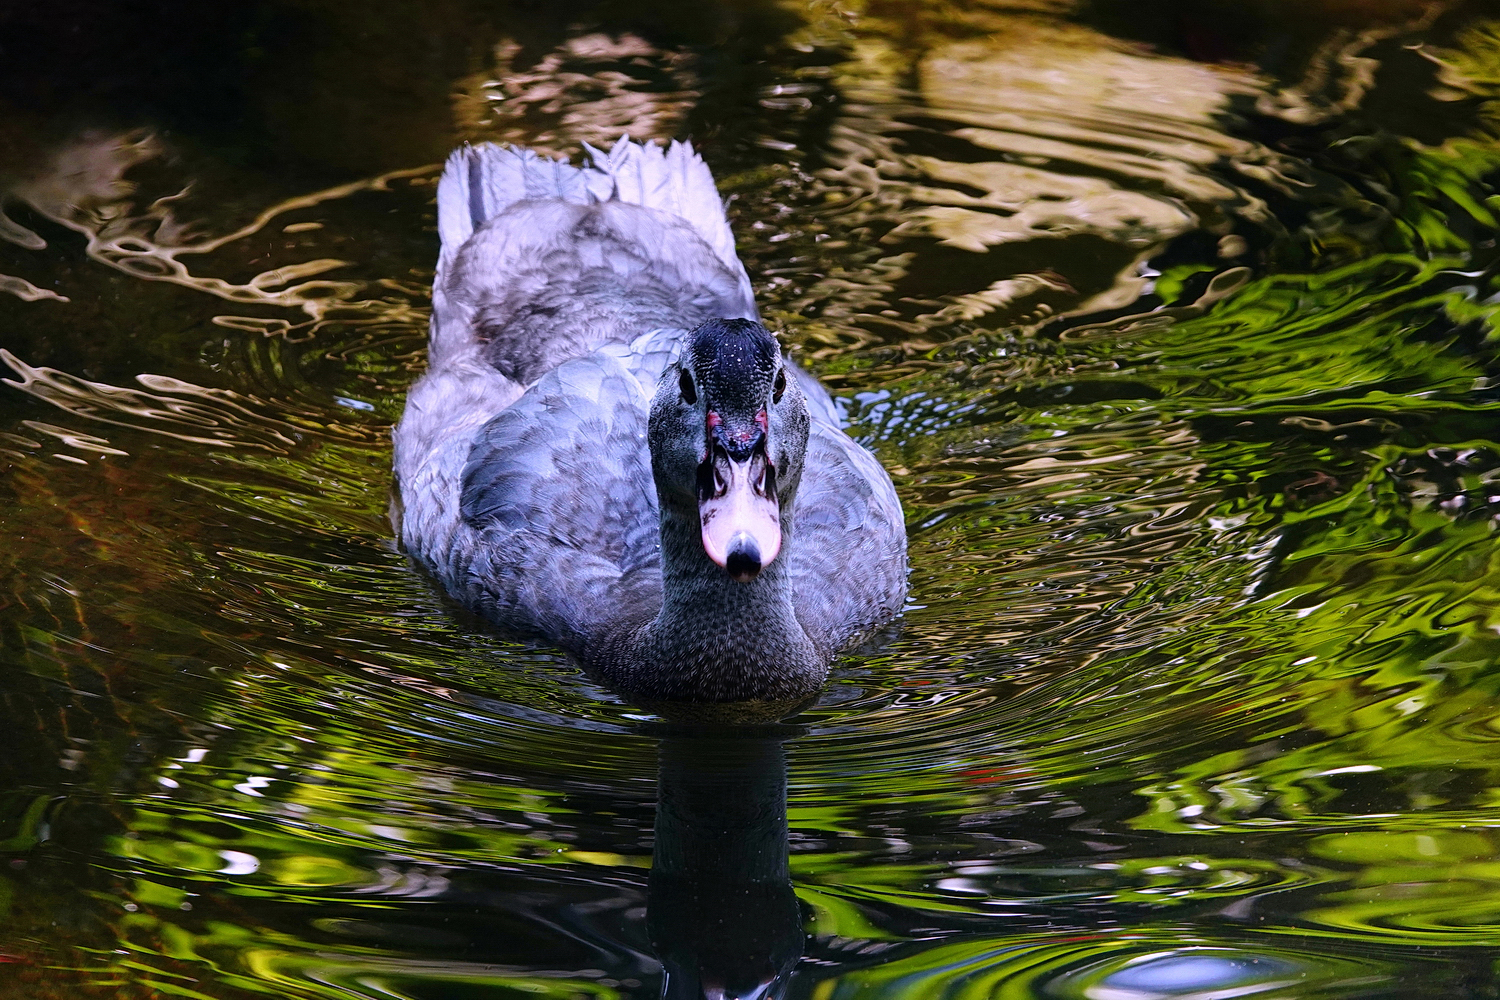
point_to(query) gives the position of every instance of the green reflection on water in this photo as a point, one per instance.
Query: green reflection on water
(1200, 691)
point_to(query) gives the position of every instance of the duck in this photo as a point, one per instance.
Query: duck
(610, 452)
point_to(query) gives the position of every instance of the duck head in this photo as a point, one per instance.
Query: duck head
(728, 434)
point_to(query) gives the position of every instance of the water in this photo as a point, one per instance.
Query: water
(1175, 328)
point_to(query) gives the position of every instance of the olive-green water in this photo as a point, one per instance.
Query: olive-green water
(1176, 323)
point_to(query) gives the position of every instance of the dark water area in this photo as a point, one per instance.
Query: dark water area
(1175, 323)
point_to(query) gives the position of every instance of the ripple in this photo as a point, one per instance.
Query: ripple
(1189, 401)
(1116, 966)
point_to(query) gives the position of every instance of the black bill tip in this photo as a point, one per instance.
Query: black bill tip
(743, 559)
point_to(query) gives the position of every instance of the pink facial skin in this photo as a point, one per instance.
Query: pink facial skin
(740, 516)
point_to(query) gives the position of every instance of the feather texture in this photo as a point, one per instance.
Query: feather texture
(480, 182)
(563, 295)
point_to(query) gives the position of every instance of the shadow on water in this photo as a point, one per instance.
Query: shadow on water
(723, 916)
(1176, 328)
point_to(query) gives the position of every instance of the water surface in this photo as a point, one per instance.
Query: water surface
(1176, 330)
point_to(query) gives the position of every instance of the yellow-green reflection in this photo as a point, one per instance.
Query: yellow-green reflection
(1185, 365)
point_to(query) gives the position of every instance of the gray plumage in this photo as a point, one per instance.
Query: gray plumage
(563, 300)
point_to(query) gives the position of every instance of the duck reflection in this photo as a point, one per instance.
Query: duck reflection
(722, 915)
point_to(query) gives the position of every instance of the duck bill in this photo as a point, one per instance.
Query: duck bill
(741, 520)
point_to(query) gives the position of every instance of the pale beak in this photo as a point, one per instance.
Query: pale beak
(741, 520)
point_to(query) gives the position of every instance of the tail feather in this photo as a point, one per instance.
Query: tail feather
(481, 181)
(672, 179)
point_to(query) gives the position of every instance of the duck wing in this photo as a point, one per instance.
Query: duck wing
(558, 495)
(849, 538)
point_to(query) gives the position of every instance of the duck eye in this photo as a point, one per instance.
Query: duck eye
(779, 386)
(685, 384)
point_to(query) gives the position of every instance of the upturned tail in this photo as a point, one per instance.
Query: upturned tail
(481, 181)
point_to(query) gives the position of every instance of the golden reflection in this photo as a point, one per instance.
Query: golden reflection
(83, 187)
(1007, 129)
(1469, 69)
(1207, 662)
(591, 89)
(1341, 73)
(26, 291)
(191, 413)
(1051, 132)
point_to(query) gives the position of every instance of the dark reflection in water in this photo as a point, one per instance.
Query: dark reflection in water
(1176, 327)
(723, 916)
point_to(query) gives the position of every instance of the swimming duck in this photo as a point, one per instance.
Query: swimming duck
(609, 450)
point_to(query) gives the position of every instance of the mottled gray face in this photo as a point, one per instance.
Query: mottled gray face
(728, 432)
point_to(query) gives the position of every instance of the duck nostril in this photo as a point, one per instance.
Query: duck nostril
(743, 560)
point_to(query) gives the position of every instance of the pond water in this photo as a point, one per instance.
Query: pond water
(1175, 323)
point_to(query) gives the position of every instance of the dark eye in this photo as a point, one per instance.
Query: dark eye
(779, 386)
(685, 383)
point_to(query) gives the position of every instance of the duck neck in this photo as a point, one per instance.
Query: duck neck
(719, 640)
